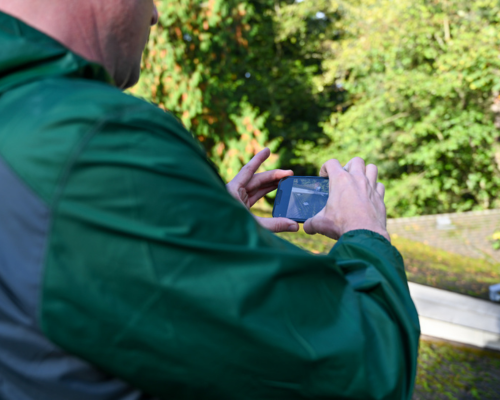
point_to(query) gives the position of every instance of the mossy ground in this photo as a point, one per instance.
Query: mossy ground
(424, 264)
(446, 371)
(429, 266)
(451, 372)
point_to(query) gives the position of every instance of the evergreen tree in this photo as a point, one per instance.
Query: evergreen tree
(239, 76)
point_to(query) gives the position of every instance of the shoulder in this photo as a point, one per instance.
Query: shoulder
(95, 102)
(79, 101)
(48, 123)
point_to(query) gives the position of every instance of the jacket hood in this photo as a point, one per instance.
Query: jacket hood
(27, 54)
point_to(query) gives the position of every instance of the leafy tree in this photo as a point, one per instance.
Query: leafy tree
(421, 78)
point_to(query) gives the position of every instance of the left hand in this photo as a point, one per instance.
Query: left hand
(247, 187)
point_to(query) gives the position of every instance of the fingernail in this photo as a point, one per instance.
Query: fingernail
(293, 227)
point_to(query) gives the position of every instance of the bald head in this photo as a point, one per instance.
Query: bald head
(112, 33)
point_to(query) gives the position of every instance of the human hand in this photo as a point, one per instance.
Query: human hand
(247, 187)
(356, 201)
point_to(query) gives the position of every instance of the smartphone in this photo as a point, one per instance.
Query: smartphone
(300, 197)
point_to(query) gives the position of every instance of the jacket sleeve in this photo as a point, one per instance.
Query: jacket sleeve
(157, 275)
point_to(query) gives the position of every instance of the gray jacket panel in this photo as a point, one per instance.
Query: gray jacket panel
(31, 367)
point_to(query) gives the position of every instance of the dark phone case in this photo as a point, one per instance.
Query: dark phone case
(279, 195)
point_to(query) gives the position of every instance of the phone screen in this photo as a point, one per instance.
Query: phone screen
(300, 198)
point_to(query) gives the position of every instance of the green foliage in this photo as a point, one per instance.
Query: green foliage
(234, 79)
(422, 77)
(495, 240)
(412, 86)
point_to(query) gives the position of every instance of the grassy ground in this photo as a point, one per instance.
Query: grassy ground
(424, 264)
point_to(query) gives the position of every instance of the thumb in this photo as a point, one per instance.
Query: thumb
(278, 224)
(320, 224)
(309, 227)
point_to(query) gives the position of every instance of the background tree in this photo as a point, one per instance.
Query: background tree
(239, 77)
(409, 85)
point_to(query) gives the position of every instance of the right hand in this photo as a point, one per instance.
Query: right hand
(355, 201)
(247, 187)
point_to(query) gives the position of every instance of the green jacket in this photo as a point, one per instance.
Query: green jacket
(127, 270)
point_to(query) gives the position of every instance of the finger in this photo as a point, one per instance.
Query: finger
(330, 167)
(357, 165)
(381, 189)
(248, 170)
(319, 224)
(309, 227)
(372, 174)
(259, 194)
(268, 177)
(278, 224)
(243, 195)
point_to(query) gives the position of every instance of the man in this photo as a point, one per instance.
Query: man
(127, 270)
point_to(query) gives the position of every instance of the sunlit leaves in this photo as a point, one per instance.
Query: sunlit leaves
(421, 77)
